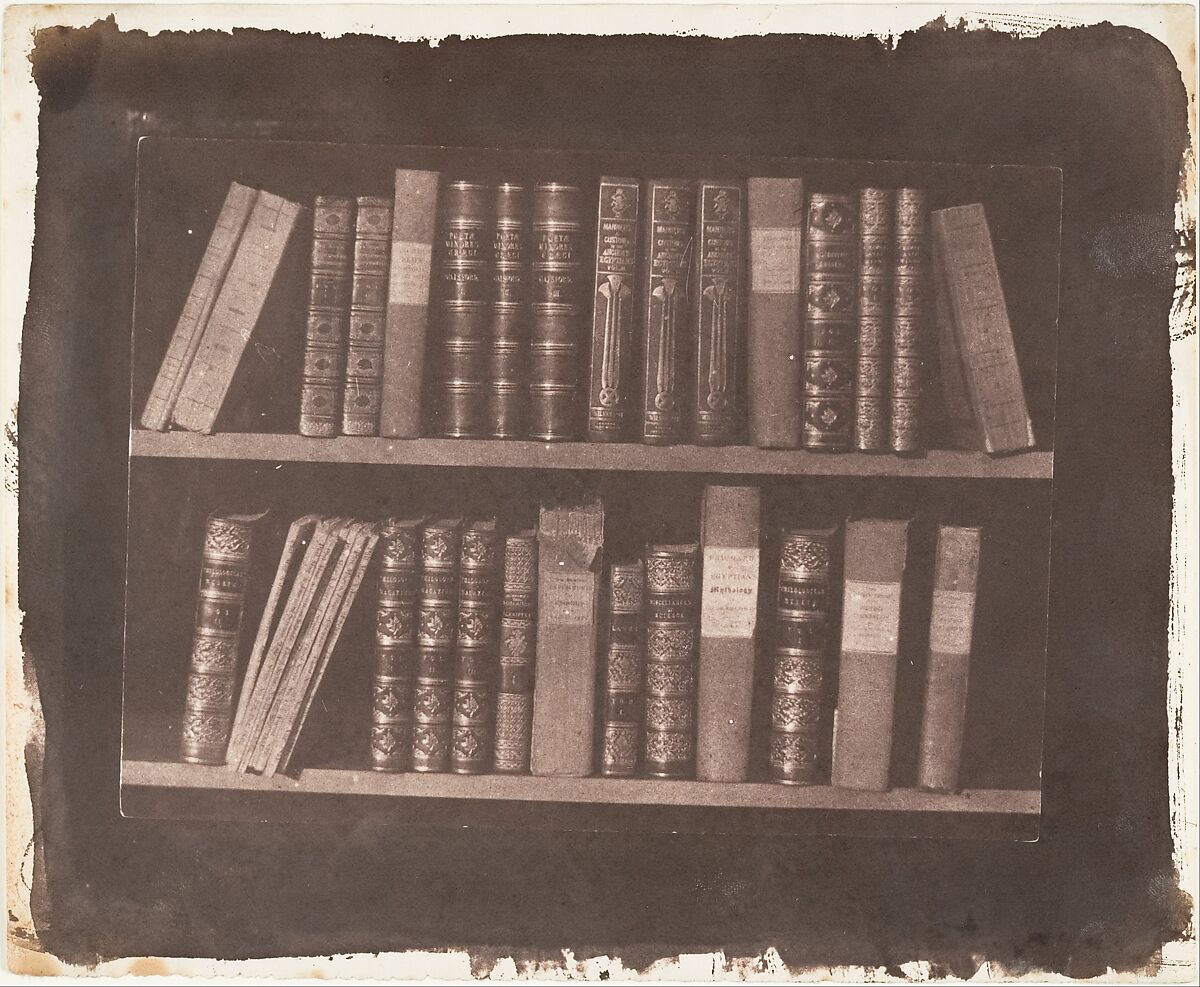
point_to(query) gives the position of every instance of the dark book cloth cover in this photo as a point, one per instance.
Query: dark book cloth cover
(624, 669)
(876, 218)
(437, 622)
(399, 586)
(518, 642)
(913, 322)
(368, 303)
(475, 647)
(508, 376)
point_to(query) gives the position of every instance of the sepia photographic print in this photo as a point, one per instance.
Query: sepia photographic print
(609, 492)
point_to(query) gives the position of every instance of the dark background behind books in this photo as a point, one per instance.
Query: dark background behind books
(1104, 104)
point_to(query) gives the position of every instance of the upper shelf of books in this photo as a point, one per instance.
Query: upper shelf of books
(333, 302)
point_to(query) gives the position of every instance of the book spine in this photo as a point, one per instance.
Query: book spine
(951, 626)
(463, 255)
(395, 646)
(624, 669)
(959, 419)
(874, 571)
(508, 387)
(328, 321)
(368, 305)
(221, 598)
(437, 620)
(407, 317)
(614, 309)
(671, 649)
(876, 216)
(475, 651)
(189, 329)
(559, 320)
(831, 262)
(716, 328)
(518, 641)
(668, 225)
(728, 618)
(775, 211)
(912, 320)
(982, 329)
(801, 655)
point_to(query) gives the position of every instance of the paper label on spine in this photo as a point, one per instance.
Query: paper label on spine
(951, 623)
(775, 260)
(567, 597)
(408, 283)
(871, 618)
(729, 602)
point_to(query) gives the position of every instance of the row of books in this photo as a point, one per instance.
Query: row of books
(702, 311)
(515, 654)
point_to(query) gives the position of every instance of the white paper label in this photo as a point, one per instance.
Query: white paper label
(871, 618)
(950, 625)
(775, 260)
(409, 280)
(729, 600)
(567, 597)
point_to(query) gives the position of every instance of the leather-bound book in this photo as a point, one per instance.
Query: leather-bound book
(508, 384)
(221, 598)
(717, 314)
(368, 303)
(876, 218)
(399, 584)
(875, 557)
(611, 402)
(951, 625)
(775, 211)
(801, 655)
(729, 530)
(913, 322)
(624, 669)
(475, 649)
(982, 332)
(559, 319)
(831, 265)
(672, 639)
(407, 318)
(460, 300)
(518, 641)
(570, 555)
(437, 621)
(668, 227)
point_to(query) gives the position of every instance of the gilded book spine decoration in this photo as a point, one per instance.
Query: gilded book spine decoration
(876, 214)
(395, 645)
(831, 259)
(623, 670)
(912, 319)
(437, 620)
(518, 640)
(328, 321)
(475, 648)
(368, 303)
(610, 391)
(208, 708)
(508, 386)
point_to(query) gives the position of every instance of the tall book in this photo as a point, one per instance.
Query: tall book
(624, 669)
(831, 265)
(913, 323)
(508, 386)
(559, 320)
(460, 300)
(221, 600)
(206, 286)
(518, 641)
(368, 304)
(982, 332)
(717, 313)
(875, 558)
(775, 212)
(729, 535)
(406, 324)
(234, 314)
(801, 655)
(672, 632)
(570, 554)
(666, 303)
(399, 583)
(437, 621)
(611, 401)
(475, 651)
(960, 425)
(951, 626)
(876, 218)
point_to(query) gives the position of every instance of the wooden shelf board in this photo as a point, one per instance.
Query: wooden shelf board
(744, 460)
(613, 791)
